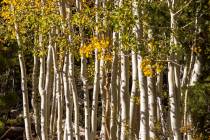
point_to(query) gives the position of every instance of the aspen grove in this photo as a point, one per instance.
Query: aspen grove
(110, 69)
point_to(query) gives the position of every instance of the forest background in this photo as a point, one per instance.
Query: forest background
(105, 69)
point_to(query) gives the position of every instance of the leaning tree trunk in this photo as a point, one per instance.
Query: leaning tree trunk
(24, 86)
(24, 89)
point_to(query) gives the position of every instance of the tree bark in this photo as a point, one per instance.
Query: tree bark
(24, 86)
(35, 98)
(144, 122)
(68, 98)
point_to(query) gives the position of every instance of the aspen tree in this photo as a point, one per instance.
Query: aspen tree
(35, 96)
(144, 122)
(173, 99)
(95, 84)
(134, 75)
(24, 87)
(152, 104)
(113, 90)
(84, 81)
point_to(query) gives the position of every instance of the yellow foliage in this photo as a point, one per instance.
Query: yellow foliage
(150, 68)
(196, 50)
(147, 67)
(151, 46)
(95, 43)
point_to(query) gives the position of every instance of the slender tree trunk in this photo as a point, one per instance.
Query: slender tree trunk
(24, 89)
(124, 96)
(173, 93)
(35, 97)
(43, 98)
(48, 87)
(59, 99)
(95, 86)
(53, 109)
(152, 102)
(133, 95)
(159, 91)
(95, 98)
(75, 96)
(144, 122)
(24, 86)
(68, 98)
(86, 97)
(119, 109)
(113, 117)
(103, 101)
(152, 106)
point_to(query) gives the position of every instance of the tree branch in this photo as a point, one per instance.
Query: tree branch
(175, 63)
(183, 7)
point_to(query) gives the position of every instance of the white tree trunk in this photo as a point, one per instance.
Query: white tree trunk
(75, 96)
(24, 86)
(60, 111)
(103, 100)
(68, 98)
(53, 113)
(113, 90)
(95, 86)
(24, 89)
(95, 98)
(172, 79)
(133, 95)
(43, 98)
(144, 122)
(152, 106)
(86, 97)
(124, 96)
(48, 87)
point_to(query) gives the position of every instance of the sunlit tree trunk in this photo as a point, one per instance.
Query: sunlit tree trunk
(68, 98)
(124, 96)
(24, 87)
(152, 102)
(133, 95)
(53, 114)
(86, 98)
(134, 77)
(144, 122)
(152, 106)
(113, 93)
(103, 100)
(95, 85)
(60, 106)
(172, 77)
(48, 85)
